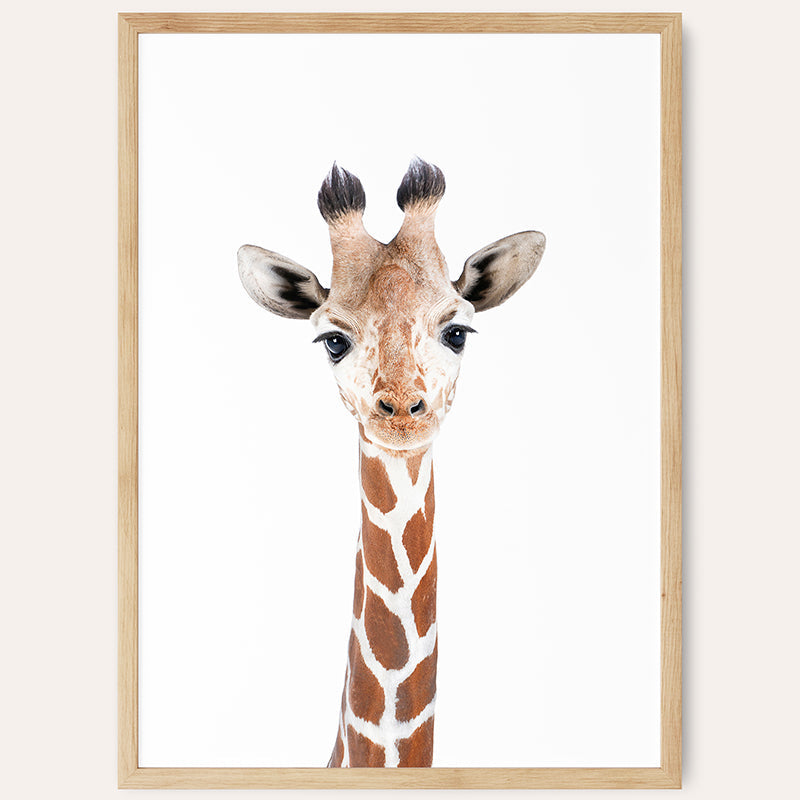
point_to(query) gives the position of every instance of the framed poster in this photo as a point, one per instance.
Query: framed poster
(549, 637)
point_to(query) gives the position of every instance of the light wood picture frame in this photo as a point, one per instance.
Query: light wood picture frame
(668, 774)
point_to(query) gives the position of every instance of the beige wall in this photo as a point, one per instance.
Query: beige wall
(57, 393)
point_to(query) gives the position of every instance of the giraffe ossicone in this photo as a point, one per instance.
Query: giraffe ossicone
(394, 327)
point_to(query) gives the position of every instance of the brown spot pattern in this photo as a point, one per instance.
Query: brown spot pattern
(418, 689)
(363, 752)
(419, 531)
(417, 539)
(378, 554)
(430, 501)
(423, 603)
(385, 633)
(417, 749)
(413, 464)
(376, 484)
(366, 695)
(358, 593)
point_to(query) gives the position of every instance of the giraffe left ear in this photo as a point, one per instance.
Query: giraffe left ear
(496, 271)
(279, 284)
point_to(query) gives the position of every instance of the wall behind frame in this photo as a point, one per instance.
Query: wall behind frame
(58, 318)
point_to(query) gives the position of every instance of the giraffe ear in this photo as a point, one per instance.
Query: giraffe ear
(279, 284)
(496, 271)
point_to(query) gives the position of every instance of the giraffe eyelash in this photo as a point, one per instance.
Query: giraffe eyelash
(458, 325)
(331, 335)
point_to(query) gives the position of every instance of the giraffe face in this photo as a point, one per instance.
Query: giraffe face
(395, 343)
(393, 323)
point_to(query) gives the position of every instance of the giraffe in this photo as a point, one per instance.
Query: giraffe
(394, 327)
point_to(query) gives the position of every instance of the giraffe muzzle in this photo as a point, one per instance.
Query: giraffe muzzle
(401, 425)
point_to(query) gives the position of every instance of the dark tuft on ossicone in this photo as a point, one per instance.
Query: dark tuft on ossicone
(423, 183)
(341, 192)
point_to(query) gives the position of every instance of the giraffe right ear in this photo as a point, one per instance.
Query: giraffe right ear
(496, 271)
(279, 284)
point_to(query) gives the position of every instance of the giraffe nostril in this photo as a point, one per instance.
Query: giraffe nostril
(385, 409)
(418, 408)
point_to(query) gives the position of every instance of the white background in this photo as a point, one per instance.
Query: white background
(547, 469)
(58, 454)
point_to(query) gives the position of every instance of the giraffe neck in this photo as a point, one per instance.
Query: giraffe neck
(390, 683)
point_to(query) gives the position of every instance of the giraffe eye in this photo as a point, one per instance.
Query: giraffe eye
(337, 345)
(455, 337)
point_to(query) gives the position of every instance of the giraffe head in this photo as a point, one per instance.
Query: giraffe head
(393, 323)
